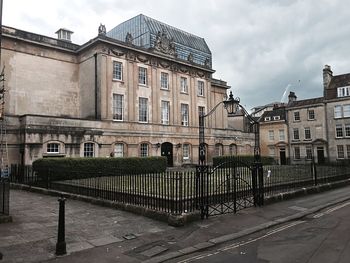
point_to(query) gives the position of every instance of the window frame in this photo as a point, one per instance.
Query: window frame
(184, 114)
(311, 114)
(338, 112)
(118, 107)
(143, 110)
(296, 115)
(340, 152)
(346, 110)
(117, 152)
(343, 91)
(200, 88)
(347, 130)
(307, 133)
(308, 152)
(49, 147)
(282, 134)
(186, 151)
(89, 151)
(297, 153)
(271, 135)
(339, 133)
(165, 112)
(144, 150)
(142, 76)
(296, 132)
(164, 82)
(117, 70)
(183, 85)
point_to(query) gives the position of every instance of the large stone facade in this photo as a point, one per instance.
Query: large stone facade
(109, 98)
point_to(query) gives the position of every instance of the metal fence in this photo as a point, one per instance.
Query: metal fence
(4, 196)
(177, 192)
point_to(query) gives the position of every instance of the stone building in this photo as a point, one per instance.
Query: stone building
(136, 90)
(337, 103)
(307, 129)
(274, 134)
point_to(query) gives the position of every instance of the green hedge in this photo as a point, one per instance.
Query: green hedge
(72, 168)
(246, 159)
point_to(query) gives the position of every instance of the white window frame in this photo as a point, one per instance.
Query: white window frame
(339, 132)
(164, 80)
(276, 118)
(296, 116)
(343, 91)
(184, 114)
(118, 107)
(308, 152)
(267, 119)
(89, 149)
(346, 110)
(186, 151)
(142, 76)
(144, 150)
(183, 85)
(311, 114)
(347, 130)
(337, 111)
(143, 109)
(200, 88)
(271, 135)
(307, 133)
(165, 112)
(296, 132)
(117, 70)
(53, 148)
(119, 149)
(282, 135)
(340, 152)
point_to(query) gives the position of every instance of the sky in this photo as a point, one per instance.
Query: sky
(262, 48)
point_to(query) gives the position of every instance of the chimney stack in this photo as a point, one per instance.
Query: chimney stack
(291, 97)
(327, 76)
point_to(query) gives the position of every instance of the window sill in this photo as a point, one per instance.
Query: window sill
(182, 92)
(165, 89)
(118, 80)
(143, 85)
(202, 96)
(118, 120)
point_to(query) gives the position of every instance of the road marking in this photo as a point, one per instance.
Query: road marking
(331, 210)
(242, 243)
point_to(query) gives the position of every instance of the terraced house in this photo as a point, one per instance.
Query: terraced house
(136, 90)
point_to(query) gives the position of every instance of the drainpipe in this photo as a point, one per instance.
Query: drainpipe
(96, 93)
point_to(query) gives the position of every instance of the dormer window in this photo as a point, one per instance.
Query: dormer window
(343, 91)
(64, 34)
(267, 119)
(276, 118)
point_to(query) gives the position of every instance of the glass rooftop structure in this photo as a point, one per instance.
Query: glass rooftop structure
(149, 33)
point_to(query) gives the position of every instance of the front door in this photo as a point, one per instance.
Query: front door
(320, 155)
(167, 151)
(283, 157)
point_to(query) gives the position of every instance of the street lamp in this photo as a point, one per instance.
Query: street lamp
(230, 105)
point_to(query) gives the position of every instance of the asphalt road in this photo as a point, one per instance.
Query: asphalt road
(322, 237)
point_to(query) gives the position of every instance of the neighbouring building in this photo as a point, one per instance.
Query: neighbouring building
(337, 101)
(136, 90)
(274, 134)
(307, 129)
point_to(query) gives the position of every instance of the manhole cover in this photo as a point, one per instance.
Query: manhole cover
(129, 236)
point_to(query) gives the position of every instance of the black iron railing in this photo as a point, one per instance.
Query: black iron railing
(177, 192)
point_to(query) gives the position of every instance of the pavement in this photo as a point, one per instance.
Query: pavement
(101, 234)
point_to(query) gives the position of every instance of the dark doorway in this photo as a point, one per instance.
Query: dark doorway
(283, 158)
(167, 151)
(320, 155)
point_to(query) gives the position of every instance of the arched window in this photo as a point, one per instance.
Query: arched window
(233, 149)
(89, 149)
(144, 150)
(119, 150)
(218, 149)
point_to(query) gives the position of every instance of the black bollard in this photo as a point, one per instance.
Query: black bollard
(61, 242)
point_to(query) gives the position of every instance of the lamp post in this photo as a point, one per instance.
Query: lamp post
(257, 169)
(230, 105)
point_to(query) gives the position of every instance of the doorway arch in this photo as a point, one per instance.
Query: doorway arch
(167, 151)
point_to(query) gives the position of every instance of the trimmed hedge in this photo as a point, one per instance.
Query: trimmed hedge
(73, 168)
(247, 159)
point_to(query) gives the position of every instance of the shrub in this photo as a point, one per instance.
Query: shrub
(73, 168)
